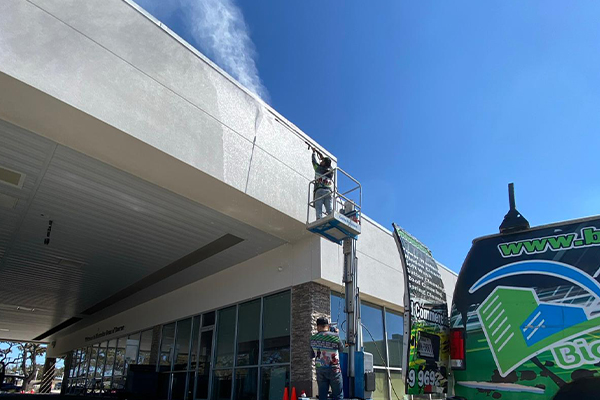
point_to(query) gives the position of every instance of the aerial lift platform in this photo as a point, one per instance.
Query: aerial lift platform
(342, 226)
(344, 220)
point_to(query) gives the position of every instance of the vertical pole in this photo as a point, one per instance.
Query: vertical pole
(357, 304)
(511, 196)
(66, 382)
(351, 308)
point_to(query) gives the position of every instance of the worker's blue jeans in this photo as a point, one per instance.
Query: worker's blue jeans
(325, 200)
(330, 376)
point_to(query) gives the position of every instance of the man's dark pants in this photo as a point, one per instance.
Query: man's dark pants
(330, 377)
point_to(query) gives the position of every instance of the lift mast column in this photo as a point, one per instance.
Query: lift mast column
(352, 306)
(342, 226)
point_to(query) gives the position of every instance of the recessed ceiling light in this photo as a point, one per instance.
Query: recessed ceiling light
(25, 309)
(4, 330)
(11, 177)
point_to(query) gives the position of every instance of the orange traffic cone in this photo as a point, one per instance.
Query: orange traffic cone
(285, 394)
(294, 397)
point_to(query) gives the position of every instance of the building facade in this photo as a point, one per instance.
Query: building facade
(156, 212)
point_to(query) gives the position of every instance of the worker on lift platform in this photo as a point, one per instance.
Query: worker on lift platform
(326, 347)
(323, 184)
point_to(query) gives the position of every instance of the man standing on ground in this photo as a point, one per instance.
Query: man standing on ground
(326, 347)
(323, 184)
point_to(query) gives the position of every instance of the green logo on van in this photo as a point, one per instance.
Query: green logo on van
(517, 327)
(577, 353)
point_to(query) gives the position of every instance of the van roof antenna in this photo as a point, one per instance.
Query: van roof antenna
(513, 220)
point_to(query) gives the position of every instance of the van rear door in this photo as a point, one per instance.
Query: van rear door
(527, 305)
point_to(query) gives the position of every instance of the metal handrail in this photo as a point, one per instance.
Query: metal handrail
(336, 196)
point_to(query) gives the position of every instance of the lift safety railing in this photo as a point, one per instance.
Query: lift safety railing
(340, 200)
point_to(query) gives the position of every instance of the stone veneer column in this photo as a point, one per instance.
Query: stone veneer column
(155, 347)
(309, 302)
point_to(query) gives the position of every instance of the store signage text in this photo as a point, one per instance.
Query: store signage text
(107, 332)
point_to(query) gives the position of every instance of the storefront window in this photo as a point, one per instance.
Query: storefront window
(101, 359)
(164, 380)
(131, 351)
(204, 355)
(83, 363)
(182, 345)
(178, 385)
(79, 384)
(373, 340)
(246, 383)
(221, 388)
(376, 335)
(394, 324)
(96, 384)
(274, 380)
(119, 368)
(208, 319)
(110, 358)
(92, 364)
(76, 363)
(238, 370)
(248, 333)
(145, 346)
(225, 337)
(338, 316)
(276, 329)
(166, 345)
(109, 365)
(194, 349)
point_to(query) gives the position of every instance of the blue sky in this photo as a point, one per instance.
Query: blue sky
(433, 106)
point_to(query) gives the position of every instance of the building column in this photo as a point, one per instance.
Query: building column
(48, 375)
(309, 302)
(155, 348)
(67, 371)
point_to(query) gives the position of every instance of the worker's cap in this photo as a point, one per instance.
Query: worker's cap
(322, 321)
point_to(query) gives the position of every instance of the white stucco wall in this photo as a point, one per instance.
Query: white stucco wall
(148, 103)
(119, 66)
(449, 277)
(381, 277)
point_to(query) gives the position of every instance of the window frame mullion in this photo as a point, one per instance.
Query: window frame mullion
(387, 354)
(234, 361)
(260, 350)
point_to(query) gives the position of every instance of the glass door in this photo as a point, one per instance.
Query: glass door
(205, 349)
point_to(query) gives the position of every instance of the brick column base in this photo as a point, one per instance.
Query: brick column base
(155, 348)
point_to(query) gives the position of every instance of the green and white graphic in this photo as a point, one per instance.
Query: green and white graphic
(527, 303)
(517, 326)
(427, 347)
